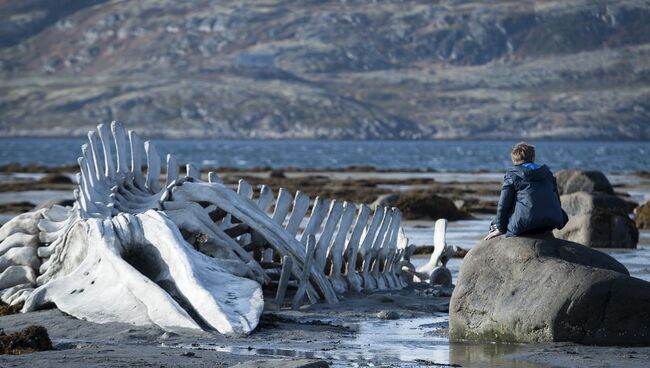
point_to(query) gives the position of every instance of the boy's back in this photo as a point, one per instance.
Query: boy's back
(529, 201)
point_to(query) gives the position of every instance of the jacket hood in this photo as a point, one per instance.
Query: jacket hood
(531, 172)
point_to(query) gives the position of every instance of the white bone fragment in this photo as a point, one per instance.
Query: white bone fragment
(287, 265)
(136, 159)
(172, 170)
(323, 243)
(16, 275)
(214, 178)
(244, 189)
(352, 249)
(153, 165)
(192, 171)
(119, 136)
(304, 278)
(300, 207)
(104, 136)
(335, 253)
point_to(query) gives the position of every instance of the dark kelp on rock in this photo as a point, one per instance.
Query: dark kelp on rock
(33, 338)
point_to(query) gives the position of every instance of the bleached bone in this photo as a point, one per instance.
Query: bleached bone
(335, 253)
(353, 278)
(259, 221)
(304, 278)
(187, 253)
(287, 264)
(435, 271)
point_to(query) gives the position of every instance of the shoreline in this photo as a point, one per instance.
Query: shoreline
(349, 332)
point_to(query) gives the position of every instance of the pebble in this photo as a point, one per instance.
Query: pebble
(388, 315)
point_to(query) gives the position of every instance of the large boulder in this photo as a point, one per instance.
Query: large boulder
(542, 289)
(421, 204)
(571, 181)
(642, 216)
(598, 220)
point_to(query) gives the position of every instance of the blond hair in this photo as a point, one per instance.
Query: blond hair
(522, 152)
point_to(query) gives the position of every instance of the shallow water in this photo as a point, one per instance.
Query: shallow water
(411, 342)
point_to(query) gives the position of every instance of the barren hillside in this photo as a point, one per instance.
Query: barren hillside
(327, 69)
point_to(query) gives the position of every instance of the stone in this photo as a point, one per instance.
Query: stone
(543, 289)
(278, 174)
(56, 179)
(32, 339)
(642, 216)
(385, 200)
(441, 276)
(55, 202)
(572, 180)
(421, 204)
(388, 315)
(597, 220)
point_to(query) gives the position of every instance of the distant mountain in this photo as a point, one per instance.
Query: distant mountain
(328, 69)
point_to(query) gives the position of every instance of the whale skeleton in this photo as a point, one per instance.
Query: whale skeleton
(189, 253)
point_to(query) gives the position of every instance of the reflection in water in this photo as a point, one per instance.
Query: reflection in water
(412, 342)
(486, 355)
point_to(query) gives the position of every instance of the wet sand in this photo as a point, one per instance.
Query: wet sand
(343, 335)
(347, 334)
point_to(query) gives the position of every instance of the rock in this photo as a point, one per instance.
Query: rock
(388, 315)
(458, 252)
(284, 363)
(642, 216)
(167, 335)
(6, 310)
(29, 340)
(421, 204)
(386, 200)
(441, 276)
(56, 179)
(278, 174)
(542, 289)
(598, 220)
(571, 181)
(53, 202)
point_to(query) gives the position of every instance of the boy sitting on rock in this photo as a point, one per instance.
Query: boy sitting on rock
(529, 202)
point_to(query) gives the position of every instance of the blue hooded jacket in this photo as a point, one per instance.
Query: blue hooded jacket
(529, 201)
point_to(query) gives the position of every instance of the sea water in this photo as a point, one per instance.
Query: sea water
(412, 155)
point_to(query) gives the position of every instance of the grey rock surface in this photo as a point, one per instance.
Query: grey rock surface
(542, 289)
(598, 220)
(572, 180)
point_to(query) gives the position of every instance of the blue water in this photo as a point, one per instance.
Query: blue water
(437, 155)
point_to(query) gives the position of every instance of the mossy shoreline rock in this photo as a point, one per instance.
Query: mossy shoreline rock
(542, 289)
(422, 204)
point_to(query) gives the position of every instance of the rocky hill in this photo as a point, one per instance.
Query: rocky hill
(328, 69)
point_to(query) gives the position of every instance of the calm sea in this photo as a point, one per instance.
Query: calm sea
(437, 155)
